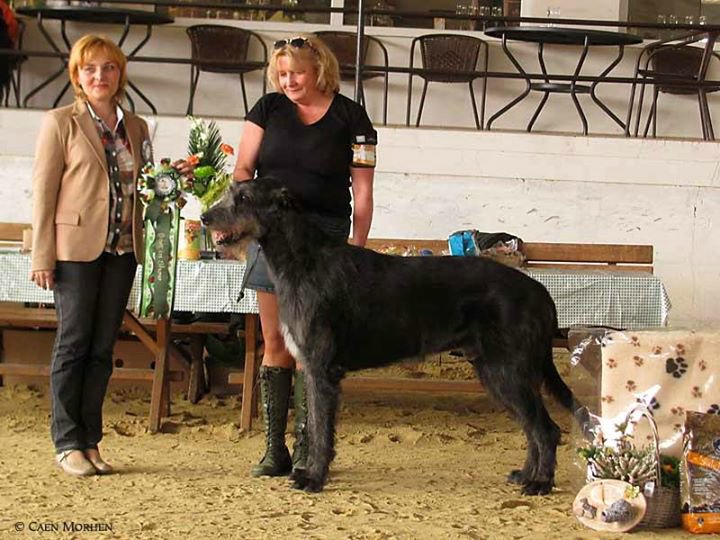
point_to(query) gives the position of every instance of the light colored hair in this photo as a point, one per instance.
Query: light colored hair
(84, 50)
(316, 53)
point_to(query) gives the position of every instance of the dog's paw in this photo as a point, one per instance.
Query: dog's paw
(536, 487)
(299, 478)
(302, 481)
(517, 477)
(314, 486)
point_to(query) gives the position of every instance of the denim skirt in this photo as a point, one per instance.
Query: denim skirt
(258, 278)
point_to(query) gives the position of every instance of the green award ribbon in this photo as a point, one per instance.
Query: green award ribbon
(161, 191)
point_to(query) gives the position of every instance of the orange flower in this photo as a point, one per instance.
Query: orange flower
(227, 149)
(193, 160)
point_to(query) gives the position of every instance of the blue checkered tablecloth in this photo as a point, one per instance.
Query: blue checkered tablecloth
(583, 297)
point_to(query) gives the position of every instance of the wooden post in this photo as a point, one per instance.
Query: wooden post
(249, 400)
(160, 382)
(196, 384)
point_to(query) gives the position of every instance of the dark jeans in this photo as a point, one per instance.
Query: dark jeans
(90, 300)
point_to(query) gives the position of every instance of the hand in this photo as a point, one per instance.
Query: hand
(184, 167)
(45, 279)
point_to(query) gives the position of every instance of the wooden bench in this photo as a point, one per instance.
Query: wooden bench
(17, 317)
(634, 258)
(11, 234)
(628, 257)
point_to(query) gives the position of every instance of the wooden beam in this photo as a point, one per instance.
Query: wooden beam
(132, 323)
(396, 384)
(125, 374)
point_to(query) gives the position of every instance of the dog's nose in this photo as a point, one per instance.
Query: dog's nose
(205, 219)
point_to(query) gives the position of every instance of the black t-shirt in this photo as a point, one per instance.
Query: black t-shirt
(313, 159)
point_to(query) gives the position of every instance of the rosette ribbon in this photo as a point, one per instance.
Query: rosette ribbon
(161, 191)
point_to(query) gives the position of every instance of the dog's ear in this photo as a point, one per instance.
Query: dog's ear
(284, 198)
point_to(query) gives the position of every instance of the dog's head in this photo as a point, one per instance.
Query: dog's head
(245, 211)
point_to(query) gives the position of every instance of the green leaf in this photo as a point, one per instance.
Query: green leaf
(205, 141)
(205, 171)
(215, 191)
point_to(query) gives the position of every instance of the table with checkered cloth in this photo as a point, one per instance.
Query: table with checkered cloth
(583, 297)
(204, 286)
(621, 299)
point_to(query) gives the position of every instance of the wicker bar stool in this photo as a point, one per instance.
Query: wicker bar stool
(14, 67)
(674, 67)
(223, 49)
(453, 59)
(344, 46)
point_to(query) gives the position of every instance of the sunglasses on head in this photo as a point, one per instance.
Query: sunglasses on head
(298, 42)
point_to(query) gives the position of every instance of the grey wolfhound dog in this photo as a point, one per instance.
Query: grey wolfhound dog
(347, 308)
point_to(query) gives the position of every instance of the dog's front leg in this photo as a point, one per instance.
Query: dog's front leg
(323, 392)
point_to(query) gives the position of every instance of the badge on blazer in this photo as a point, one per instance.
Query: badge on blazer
(147, 153)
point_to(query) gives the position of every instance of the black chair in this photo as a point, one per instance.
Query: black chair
(674, 67)
(223, 49)
(449, 58)
(344, 46)
(14, 66)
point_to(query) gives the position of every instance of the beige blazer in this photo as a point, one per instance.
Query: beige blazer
(71, 201)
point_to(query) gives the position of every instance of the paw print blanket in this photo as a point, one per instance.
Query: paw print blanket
(670, 371)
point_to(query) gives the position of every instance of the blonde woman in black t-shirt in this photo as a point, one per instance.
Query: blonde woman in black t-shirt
(323, 145)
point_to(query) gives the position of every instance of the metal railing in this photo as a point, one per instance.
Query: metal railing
(363, 13)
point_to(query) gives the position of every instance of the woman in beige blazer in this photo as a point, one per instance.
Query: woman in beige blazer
(87, 240)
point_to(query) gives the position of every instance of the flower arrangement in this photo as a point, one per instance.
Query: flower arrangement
(624, 461)
(208, 154)
(636, 466)
(162, 187)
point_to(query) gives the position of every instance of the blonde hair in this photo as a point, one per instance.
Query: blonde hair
(314, 52)
(84, 50)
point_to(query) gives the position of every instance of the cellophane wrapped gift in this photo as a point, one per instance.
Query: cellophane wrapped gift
(670, 371)
(666, 372)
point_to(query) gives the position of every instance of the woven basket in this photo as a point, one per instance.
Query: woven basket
(663, 503)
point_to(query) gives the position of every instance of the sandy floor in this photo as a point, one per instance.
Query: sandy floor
(408, 467)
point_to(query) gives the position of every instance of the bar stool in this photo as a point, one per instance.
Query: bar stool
(450, 58)
(14, 69)
(344, 47)
(223, 49)
(673, 67)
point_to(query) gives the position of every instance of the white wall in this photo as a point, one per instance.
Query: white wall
(541, 187)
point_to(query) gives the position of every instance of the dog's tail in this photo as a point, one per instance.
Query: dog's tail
(557, 387)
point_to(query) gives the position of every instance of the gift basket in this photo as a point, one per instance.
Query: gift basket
(613, 454)
(639, 385)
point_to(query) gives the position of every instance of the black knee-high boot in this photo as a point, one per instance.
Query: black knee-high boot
(300, 448)
(275, 385)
